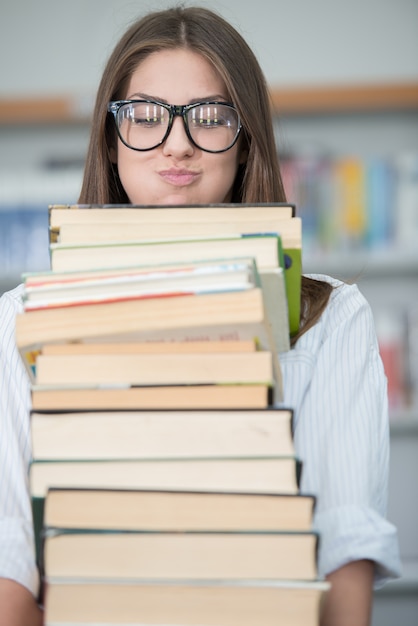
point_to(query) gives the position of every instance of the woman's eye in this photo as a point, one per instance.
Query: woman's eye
(210, 122)
(147, 121)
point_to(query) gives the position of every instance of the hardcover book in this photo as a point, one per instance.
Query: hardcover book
(161, 434)
(176, 510)
(117, 398)
(201, 556)
(185, 603)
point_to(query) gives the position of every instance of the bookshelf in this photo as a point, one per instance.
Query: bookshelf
(65, 110)
(293, 101)
(338, 99)
(374, 264)
(364, 120)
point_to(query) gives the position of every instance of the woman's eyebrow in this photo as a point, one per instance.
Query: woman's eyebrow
(208, 98)
(144, 96)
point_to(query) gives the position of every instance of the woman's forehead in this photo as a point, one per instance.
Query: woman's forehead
(171, 74)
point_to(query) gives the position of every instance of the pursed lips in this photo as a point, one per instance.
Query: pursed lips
(179, 177)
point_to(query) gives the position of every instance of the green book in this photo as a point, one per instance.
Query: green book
(293, 277)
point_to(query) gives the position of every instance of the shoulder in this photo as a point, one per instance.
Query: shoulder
(342, 344)
(11, 303)
(342, 294)
(347, 310)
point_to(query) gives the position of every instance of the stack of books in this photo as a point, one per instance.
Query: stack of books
(94, 235)
(180, 557)
(164, 479)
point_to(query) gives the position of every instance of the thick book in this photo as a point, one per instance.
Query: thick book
(127, 435)
(238, 214)
(205, 317)
(117, 397)
(79, 233)
(69, 288)
(265, 248)
(203, 368)
(185, 603)
(176, 510)
(46, 290)
(150, 347)
(258, 475)
(127, 509)
(160, 222)
(82, 398)
(124, 556)
(263, 475)
(216, 316)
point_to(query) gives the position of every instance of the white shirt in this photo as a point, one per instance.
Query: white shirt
(335, 382)
(17, 553)
(333, 379)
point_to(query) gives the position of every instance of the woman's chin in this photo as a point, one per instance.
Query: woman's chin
(172, 199)
(179, 198)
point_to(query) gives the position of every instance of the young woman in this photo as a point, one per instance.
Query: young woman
(171, 70)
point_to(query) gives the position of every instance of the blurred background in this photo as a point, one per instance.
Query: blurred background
(344, 83)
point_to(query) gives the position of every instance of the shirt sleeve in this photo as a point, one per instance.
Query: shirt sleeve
(17, 552)
(342, 437)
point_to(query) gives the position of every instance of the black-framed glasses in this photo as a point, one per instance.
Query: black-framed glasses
(145, 124)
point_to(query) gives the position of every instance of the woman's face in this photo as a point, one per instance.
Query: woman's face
(177, 172)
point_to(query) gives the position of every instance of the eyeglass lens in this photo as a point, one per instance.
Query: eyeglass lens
(212, 127)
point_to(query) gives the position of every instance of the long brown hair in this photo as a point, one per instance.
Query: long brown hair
(205, 32)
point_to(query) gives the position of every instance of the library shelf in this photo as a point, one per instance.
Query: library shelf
(295, 100)
(352, 98)
(386, 262)
(407, 584)
(404, 423)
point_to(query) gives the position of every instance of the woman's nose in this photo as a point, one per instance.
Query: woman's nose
(177, 142)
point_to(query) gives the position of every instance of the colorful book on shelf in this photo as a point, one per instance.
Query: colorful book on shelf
(171, 434)
(380, 180)
(351, 199)
(185, 603)
(190, 222)
(163, 555)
